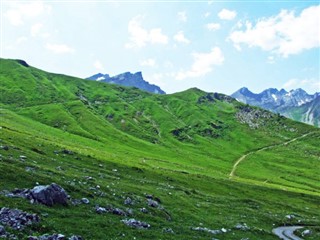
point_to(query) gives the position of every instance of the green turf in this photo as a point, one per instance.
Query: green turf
(180, 147)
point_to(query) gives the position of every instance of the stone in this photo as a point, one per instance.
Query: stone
(4, 148)
(290, 216)
(149, 196)
(117, 211)
(2, 231)
(153, 203)
(128, 201)
(168, 230)
(100, 210)
(306, 232)
(32, 238)
(242, 227)
(135, 223)
(16, 218)
(143, 210)
(49, 195)
(30, 169)
(85, 200)
(204, 229)
(55, 237)
(66, 151)
(129, 211)
(74, 237)
(23, 193)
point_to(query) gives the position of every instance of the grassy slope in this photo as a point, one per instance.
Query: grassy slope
(132, 131)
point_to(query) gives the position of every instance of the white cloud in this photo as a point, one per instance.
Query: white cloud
(182, 16)
(150, 62)
(168, 64)
(213, 26)
(285, 34)
(226, 14)
(271, 59)
(179, 37)
(202, 64)
(98, 65)
(59, 48)
(156, 36)
(19, 12)
(207, 14)
(35, 29)
(156, 78)
(21, 40)
(309, 84)
(139, 36)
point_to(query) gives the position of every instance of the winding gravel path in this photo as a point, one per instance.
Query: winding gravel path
(234, 168)
(287, 233)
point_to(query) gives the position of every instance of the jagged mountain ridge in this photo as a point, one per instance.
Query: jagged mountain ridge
(295, 104)
(128, 79)
(307, 113)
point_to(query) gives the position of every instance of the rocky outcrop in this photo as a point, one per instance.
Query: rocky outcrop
(43, 194)
(54, 237)
(129, 80)
(204, 229)
(49, 195)
(136, 224)
(17, 219)
(254, 117)
(113, 210)
(212, 97)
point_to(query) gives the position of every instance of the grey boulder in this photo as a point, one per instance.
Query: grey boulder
(49, 195)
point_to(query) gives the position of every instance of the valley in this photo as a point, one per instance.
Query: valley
(194, 165)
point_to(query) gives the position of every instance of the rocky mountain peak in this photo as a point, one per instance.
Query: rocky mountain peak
(128, 79)
(274, 100)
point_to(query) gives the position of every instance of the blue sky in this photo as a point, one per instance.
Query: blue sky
(217, 46)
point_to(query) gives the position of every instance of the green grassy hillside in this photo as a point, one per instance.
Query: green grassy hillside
(180, 147)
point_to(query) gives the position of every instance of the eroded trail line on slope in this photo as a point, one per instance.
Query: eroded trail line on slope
(234, 167)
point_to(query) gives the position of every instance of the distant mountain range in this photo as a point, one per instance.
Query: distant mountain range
(128, 79)
(296, 104)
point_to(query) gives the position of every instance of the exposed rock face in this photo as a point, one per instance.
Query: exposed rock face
(49, 195)
(203, 229)
(85, 200)
(2, 231)
(55, 237)
(16, 218)
(243, 227)
(128, 79)
(212, 97)
(23, 63)
(101, 210)
(295, 104)
(110, 209)
(136, 224)
(273, 99)
(255, 118)
(128, 201)
(153, 203)
(307, 113)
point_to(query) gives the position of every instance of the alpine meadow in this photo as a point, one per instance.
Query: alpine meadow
(137, 165)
